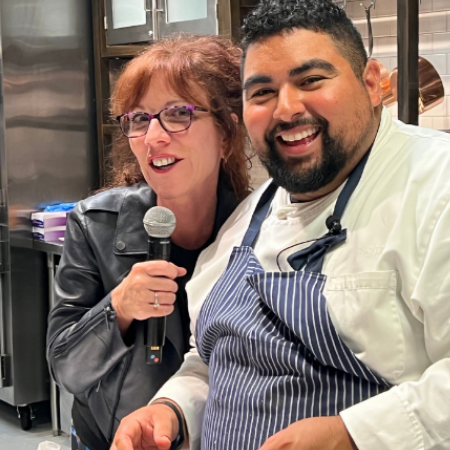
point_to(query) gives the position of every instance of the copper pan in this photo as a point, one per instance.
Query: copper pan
(387, 97)
(431, 88)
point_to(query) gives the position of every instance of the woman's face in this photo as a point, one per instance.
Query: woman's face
(177, 165)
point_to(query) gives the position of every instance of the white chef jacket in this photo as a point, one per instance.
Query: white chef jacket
(387, 288)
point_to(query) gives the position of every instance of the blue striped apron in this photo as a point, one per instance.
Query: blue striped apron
(274, 355)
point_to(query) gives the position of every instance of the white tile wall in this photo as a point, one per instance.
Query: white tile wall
(439, 62)
(433, 22)
(362, 28)
(384, 26)
(441, 42)
(434, 44)
(385, 46)
(426, 122)
(446, 81)
(440, 5)
(386, 8)
(425, 44)
(426, 6)
(355, 10)
(439, 110)
(441, 123)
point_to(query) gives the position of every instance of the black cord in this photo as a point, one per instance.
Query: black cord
(292, 246)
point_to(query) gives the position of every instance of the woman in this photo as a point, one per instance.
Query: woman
(179, 108)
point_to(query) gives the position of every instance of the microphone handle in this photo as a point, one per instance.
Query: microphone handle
(158, 248)
(155, 327)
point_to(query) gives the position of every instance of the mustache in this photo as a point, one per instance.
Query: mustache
(285, 126)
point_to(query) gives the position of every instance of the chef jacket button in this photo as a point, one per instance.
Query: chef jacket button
(282, 214)
(120, 245)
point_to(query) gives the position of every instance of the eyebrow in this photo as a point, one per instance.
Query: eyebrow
(315, 63)
(256, 79)
(171, 103)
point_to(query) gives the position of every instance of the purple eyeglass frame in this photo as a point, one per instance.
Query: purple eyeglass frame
(157, 116)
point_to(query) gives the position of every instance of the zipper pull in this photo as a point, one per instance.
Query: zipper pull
(107, 312)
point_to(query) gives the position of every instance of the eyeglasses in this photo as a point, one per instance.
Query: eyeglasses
(173, 119)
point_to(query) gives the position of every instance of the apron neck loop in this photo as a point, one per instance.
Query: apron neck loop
(261, 212)
(333, 222)
(311, 258)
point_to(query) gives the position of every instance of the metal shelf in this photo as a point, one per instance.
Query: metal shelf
(121, 51)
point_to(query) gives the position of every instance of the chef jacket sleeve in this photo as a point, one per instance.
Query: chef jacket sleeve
(416, 414)
(189, 388)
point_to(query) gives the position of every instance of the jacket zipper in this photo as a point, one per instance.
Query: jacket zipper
(107, 313)
(117, 399)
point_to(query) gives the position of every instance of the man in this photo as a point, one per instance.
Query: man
(322, 312)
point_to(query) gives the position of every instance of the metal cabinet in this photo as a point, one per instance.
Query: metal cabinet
(48, 154)
(134, 21)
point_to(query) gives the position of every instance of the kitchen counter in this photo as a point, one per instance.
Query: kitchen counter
(49, 247)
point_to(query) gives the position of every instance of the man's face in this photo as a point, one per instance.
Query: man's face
(307, 113)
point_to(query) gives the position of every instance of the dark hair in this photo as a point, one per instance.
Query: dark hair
(191, 64)
(272, 17)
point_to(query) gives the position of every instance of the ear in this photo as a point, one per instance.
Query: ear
(372, 81)
(235, 117)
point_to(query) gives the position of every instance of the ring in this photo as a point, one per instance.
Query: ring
(156, 304)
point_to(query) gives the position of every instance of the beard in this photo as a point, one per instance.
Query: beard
(297, 174)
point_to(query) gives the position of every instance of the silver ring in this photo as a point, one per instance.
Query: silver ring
(156, 304)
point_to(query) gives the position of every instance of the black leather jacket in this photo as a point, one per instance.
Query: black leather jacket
(87, 355)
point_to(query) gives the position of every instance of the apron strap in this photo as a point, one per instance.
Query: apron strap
(350, 187)
(311, 258)
(260, 214)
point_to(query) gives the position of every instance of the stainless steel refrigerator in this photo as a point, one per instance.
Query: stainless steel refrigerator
(47, 154)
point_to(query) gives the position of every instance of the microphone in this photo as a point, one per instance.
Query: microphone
(333, 224)
(159, 223)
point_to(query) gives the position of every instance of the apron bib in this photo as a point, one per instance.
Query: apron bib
(273, 353)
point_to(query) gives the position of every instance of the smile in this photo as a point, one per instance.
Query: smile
(299, 141)
(163, 163)
(301, 138)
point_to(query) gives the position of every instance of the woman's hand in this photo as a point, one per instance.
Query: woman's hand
(134, 297)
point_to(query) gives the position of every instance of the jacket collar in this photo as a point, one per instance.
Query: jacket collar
(385, 131)
(131, 237)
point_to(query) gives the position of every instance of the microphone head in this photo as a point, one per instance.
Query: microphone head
(159, 222)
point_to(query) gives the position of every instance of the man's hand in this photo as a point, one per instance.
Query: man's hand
(152, 427)
(316, 433)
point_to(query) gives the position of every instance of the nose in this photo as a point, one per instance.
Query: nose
(290, 103)
(156, 134)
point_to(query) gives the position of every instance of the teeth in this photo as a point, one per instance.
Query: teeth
(161, 162)
(299, 136)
